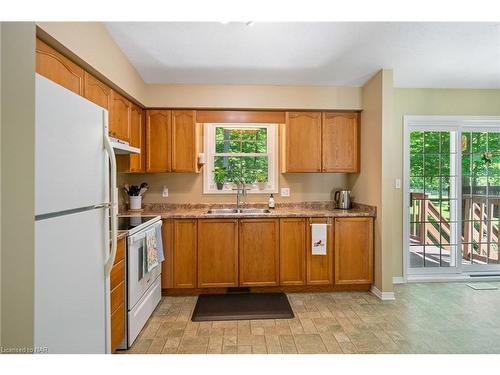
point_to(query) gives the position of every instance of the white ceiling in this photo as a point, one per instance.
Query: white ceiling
(444, 55)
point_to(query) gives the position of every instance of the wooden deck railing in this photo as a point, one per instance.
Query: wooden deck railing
(426, 225)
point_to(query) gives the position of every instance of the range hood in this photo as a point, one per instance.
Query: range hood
(123, 148)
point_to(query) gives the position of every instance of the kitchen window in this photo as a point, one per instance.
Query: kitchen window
(241, 153)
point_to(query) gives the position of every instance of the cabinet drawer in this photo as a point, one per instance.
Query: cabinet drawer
(117, 296)
(117, 274)
(117, 327)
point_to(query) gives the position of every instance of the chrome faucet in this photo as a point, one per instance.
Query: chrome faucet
(241, 192)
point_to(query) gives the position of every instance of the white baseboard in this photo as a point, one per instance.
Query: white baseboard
(398, 280)
(384, 296)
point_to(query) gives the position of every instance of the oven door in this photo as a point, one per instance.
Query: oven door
(138, 282)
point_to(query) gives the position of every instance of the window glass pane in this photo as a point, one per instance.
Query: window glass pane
(416, 165)
(432, 141)
(479, 142)
(417, 142)
(466, 143)
(445, 143)
(494, 142)
(246, 168)
(431, 165)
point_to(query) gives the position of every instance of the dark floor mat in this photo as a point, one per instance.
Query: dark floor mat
(244, 306)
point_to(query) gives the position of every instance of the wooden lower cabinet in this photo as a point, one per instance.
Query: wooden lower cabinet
(354, 250)
(184, 244)
(320, 267)
(117, 292)
(217, 253)
(259, 252)
(264, 252)
(293, 251)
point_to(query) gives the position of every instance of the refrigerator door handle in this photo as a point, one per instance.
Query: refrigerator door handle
(113, 198)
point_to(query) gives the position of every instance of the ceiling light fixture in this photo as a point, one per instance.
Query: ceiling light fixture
(249, 23)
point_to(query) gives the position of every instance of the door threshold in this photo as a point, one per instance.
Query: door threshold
(454, 278)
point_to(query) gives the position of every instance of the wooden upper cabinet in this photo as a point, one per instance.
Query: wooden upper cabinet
(158, 141)
(354, 250)
(293, 251)
(119, 117)
(137, 139)
(184, 253)
(185, 141)
(301, 145)
(340, 142)
(320, 267)
(96, 91)
(58, 68)
(259, 252)
(217, 253)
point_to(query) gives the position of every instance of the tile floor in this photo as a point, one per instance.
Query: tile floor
(425, 318)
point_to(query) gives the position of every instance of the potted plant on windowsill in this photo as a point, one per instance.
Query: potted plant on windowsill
(220, 174)
(261, 179)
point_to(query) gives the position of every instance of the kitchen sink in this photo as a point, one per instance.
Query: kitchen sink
(222, 211)
(255, 211)
(233, 211)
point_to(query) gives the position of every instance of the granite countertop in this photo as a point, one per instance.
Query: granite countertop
(305, 209)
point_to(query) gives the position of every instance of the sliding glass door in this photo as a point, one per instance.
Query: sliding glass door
(480, 199)
(433, 192)
(452, 195)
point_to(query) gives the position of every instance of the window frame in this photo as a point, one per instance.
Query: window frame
(209, 186)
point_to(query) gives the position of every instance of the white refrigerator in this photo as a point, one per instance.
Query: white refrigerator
(75, 172)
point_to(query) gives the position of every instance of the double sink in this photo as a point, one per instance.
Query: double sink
(234, 211)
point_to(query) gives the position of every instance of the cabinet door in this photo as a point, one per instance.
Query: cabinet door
(158, 141)
(259, 252)
(117, 294)
(167, 266)
(119, 117)
(96, 91)
(354, 250)
(137, 139)
(184, 141)
(184, 253)
(293, 251)
(58, 68)
(217, 253)
(320, 267)
(340, 142)
(302, 135)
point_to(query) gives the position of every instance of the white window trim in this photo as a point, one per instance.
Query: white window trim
(272, 154)
(438, 123)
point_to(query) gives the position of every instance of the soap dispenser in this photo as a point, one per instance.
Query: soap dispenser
(271, 202)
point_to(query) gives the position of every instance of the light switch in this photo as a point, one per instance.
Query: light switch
(164, 193)
(397, 183)
(285, 192)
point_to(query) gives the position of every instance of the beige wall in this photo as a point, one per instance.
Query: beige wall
(366, 186)
(17, 175)
(257, 96)
(187, 188)
(370, 185)
(428, 102)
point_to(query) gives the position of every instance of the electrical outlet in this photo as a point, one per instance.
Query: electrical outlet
(285, 192)
(165, 192)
